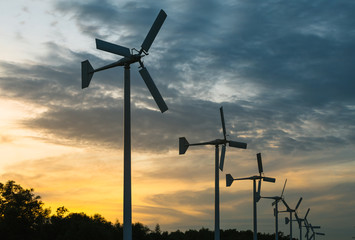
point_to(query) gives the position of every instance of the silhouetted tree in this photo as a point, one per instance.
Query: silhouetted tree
(21, 212)
(177, 235)
(139, 231)
(77, 226)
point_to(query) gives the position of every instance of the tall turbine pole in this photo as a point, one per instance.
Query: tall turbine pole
(127, 193)
(276, 221)
(290, 225)
(216, 202)
(300, 231)
(255, 234)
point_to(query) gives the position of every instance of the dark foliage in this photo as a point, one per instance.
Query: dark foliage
(21, 212)
(22, 217)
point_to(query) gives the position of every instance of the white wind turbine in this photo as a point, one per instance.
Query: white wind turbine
(290, 210)
(184, 145)
(300, 221)
(276, 210)
(256, 193)
(129, 57)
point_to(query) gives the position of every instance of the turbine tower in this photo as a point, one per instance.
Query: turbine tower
(290, 210)
(256, 194)
(276, 210)
(184, 145)
(129, 57)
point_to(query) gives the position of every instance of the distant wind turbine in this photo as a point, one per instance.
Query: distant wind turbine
(256, 194)
(300, 221)
(314, 233)
(290, 210)
(184, 145)
(129, 57)
(276, 210)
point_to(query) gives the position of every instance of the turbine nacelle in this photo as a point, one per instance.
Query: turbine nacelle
(230, 179)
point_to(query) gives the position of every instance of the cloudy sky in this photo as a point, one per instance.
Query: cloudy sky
(282, 70)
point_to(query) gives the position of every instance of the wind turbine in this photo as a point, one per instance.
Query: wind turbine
(276, 211)
(306, 224)
(314, 233)
(184, 145)
(129, 57)
(300, 220)
(311, 227)
(288, 209)
(256, 194)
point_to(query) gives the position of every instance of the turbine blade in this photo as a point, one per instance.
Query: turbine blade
(268, 179)
(183, 145)
(86, 74)
(275, 202)
(223, 123)
(258, 195)
(223, 154)
(260, 164)
(305, 216)
(282, 193)
(311, 227)
(286, 205)
(153, 89)
(154, 30)
(237, 144)
(297, 218)
(229, 180)
(259, 186)
(112, 48)
(298, 204)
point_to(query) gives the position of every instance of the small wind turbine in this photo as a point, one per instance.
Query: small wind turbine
(288, 209)
(306, 224)
(129, 57)
(314, 233)
(184, 145)
(300, 221)
(256, 194)
(276, 211)
(311, 227)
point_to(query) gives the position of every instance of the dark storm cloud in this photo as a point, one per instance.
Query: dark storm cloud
(296, 56)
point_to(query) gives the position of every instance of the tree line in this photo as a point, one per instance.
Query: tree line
(23, 217)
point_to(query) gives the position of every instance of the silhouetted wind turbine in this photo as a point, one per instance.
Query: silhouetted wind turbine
(306, 224)
(290, 210)
(300, 221)
(256, 194)
(314, 233)
(129, 58)
(184, 145)
(276, 210)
